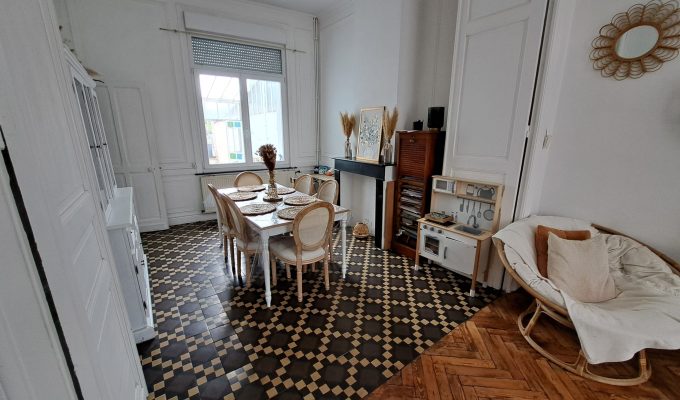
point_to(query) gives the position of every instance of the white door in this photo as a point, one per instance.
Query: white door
(130, 133)
(56, 177)
(495, 62)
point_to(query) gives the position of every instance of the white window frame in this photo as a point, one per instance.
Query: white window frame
(243, 76)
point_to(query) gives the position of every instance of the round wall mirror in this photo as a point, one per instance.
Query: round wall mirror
(638, 41)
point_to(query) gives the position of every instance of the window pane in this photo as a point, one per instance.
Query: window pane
(221, 98)
(266, 115)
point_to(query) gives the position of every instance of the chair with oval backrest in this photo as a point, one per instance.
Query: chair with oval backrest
(311, 236)
(247, 241)
(224, 227)
(303, 184)
(247, 178)
(328, 191)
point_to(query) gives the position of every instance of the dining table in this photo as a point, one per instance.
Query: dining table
(269, 225)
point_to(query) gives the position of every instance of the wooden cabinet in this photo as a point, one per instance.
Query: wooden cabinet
(419, 156)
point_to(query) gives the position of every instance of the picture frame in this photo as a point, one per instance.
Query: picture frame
(369, 139)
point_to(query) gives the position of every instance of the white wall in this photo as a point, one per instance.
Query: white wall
(381, 53)
(121, 40)
(614, 156)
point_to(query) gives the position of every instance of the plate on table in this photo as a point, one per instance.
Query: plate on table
(289, 212)
(242, 196)
(284, 190)
(301, 200)
(251, 188)
(258, 209)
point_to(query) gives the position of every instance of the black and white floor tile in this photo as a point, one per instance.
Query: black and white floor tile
(218, 340)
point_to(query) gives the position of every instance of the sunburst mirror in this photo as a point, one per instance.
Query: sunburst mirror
(637, 41)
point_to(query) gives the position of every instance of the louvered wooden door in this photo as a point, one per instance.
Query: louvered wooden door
(413, 154)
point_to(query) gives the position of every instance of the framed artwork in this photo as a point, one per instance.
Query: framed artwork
(369, 141)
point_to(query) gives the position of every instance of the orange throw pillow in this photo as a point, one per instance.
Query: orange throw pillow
(541, 240)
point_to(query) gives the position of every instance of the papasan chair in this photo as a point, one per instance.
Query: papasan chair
(644, 315)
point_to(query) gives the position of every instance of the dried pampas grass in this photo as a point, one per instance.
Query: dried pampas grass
(390, 123)
(349, 121)
(268, 154)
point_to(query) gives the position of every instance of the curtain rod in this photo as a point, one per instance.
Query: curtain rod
(190, 32)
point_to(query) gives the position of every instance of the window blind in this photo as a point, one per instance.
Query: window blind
(217, 53)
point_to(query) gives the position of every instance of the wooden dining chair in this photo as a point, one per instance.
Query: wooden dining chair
(247, 178)
(328, 191)
(224, 227)
(304, 184)
(311, 236)
(247, 242)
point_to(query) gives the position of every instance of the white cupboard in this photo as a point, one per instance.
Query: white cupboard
(129, 128)
(118, 206)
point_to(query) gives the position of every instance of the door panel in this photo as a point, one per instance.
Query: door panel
(110, 128)
(495, 62)
(132, 127)
(135, 140)
(147, 203)
(490, 137)
(48, 145)
(498, 45)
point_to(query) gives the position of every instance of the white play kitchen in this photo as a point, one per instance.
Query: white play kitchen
(459, 236)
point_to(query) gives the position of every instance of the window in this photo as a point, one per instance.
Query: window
(241, 88)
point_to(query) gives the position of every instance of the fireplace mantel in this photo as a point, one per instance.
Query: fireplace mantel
(382, 173)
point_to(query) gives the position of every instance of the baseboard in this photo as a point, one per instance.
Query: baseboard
(153, 227)
(189, 218)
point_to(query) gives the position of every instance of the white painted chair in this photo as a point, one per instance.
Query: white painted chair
(224, 228)
(328, 191)
(247, 178)
(247, 241)
(309, 244)
(304, 184)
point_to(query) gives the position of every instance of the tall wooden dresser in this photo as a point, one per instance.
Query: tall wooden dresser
(419, 156)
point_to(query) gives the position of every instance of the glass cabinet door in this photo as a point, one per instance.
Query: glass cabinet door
(96, 139)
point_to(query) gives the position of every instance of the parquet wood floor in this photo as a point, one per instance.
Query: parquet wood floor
(487, 358)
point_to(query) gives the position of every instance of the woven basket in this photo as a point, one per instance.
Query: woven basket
(360, 230)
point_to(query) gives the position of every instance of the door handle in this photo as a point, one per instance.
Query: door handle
(445, 248)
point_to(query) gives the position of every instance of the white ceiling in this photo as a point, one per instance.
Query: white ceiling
(314, 7)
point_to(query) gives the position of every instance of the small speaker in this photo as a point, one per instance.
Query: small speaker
(435, 117)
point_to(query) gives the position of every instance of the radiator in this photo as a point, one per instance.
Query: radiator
(222, 181)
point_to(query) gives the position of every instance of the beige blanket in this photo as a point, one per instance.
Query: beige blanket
(646, 314)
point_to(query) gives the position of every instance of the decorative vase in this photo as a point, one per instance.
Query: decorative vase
(272, 193)
(387, 153)
(348, 149)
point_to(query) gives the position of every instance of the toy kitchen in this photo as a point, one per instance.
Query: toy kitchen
(459, 237)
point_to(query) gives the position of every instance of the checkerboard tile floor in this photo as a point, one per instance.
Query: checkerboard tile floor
(217, 340)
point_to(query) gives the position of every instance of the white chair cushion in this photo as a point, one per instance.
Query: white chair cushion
(284, 249)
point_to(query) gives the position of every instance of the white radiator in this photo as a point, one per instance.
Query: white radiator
(221, 181)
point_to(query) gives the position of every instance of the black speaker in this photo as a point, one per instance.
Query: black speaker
(435, 117)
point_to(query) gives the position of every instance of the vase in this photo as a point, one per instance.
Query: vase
(387, 153)
(348, 149)
(272, 193)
